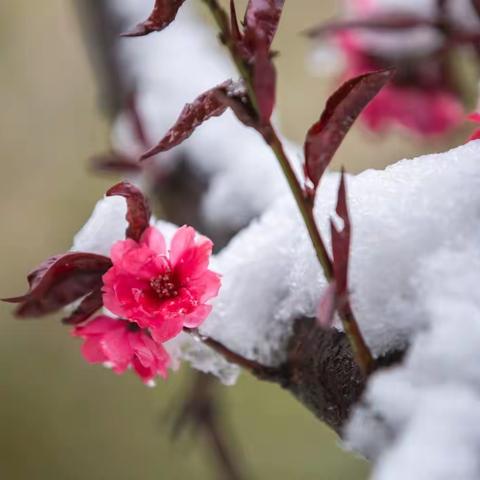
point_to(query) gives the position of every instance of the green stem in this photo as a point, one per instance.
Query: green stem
(271, 137)
(361, 351)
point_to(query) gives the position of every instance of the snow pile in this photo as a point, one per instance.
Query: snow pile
(401, 216)
(172, 68)
(421, 419)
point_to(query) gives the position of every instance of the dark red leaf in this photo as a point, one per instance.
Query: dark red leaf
(164, 13)
(264, 79)
(341, 242)
(138, 210)
(263, 16)
(392, 21)
(341, 110)
(327, 305)
(88, 306)
(193, 115)
(236, 98)
(59, 281)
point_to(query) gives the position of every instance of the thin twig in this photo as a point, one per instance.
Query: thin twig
(263, 372)
(201, 409)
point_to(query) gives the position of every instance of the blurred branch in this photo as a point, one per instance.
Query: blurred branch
(100, 32)
(200, 409)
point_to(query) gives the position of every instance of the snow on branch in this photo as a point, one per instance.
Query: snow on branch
(400, 218)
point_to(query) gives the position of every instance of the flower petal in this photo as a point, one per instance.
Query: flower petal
(92, 350)
(167, 329)
(206, 286)
(183, 239)
(154, 240)
(120, 248)
(198, 316)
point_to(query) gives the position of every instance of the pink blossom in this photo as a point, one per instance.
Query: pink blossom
(122, 344)
(428, 108)
(425, 112)
(474, 117)
(159, 290)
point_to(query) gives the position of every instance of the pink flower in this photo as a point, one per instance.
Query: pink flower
(421, 102)
(122, 344)
(161, 291)
(425, 112)
(474, 117)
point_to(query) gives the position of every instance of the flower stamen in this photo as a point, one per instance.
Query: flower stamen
(164, 286)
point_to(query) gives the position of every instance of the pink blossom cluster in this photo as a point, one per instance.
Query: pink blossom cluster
(423, 110)
(155, 293)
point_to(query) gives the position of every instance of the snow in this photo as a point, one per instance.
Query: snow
(420, 420)
(172, 68)
(402, 216)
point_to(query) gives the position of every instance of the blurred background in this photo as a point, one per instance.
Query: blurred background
(59, 417)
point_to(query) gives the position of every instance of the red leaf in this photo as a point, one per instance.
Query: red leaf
(138, 210)
(235, 97)
(341, 110)
(59, 281)
(263, 16)
(264, 79)
(88, 306)
(341, 242)
(164, 13)
(193, 115)
(327, 305)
